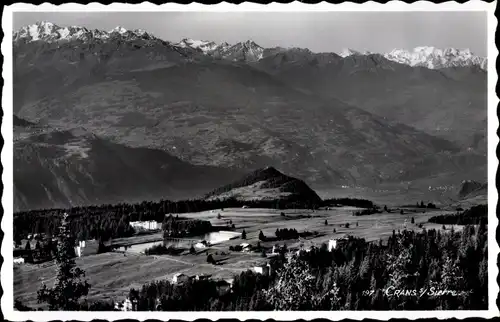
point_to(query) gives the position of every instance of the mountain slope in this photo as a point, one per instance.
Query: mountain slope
(231, 115)
(266, 184)
(470, 189)
(450, 103)
(74, 167)
(241, 111)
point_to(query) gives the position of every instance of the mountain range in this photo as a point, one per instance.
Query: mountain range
(247, 51)
(175, 119)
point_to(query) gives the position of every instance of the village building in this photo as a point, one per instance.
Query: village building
(79, 248)
(18, 261)
(263, 269)
(180, 278)
(202, 244)
(332, 244)
(224, 286)
(126, 305)
(245, 247)
(201, 277)
(146, 225)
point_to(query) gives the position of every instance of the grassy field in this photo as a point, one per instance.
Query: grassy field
(113, 274)
(372, 227)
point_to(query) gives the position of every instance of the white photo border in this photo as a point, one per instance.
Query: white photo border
(7, 300)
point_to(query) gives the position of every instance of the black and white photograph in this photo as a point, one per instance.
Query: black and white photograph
(257, 161)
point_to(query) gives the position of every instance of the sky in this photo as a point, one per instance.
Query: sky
(319, 31)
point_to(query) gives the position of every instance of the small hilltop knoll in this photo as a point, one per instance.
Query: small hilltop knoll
(266, 184)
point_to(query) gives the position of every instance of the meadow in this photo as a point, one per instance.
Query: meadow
(113, 274)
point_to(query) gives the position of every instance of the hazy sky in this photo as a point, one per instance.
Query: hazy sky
(318, 31)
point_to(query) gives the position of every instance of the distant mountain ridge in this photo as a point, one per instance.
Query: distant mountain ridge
(246, 51)
(49, 32)
(471, 188)
(359, 120)
(434, 58)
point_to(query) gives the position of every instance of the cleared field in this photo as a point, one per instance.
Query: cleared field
(113, 274)
(371, 227)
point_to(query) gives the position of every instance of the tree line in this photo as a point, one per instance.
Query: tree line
(183, 227)
(350, 202)
(473, 216)
(112, 221)
(285, 233)
(451, 267)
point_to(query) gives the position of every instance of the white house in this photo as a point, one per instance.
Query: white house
(332, 244)
(203, 277)
(245, 247)
(18, 261)
(126, 305)
(180, 278)
(78, 251)
(263, 269)
(202, 244)
(145, 225)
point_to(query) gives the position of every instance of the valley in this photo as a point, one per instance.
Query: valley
(200, 175)
(136, 269)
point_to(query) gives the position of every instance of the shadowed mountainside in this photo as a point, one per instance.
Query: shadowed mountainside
(73, 167)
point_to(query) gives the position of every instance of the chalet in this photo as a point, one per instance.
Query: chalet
(201, 277)
(180, 278)
(18, 261)
(79, 248)
(263, 269)
(126, 305)
(332, 244)
(277, 249)
(224, 286)
(146, 225)
(245, 247)
(304, 249)
(202, 244)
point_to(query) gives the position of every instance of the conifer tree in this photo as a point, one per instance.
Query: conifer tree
(29, 253)
(70, 285)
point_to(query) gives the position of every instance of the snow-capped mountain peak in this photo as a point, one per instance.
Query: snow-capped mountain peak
(203, 45)
(346, 52)
(432, 57)
(50, 32)
(247, 51)
(242, 51)
(42, 30)
(119, 29)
